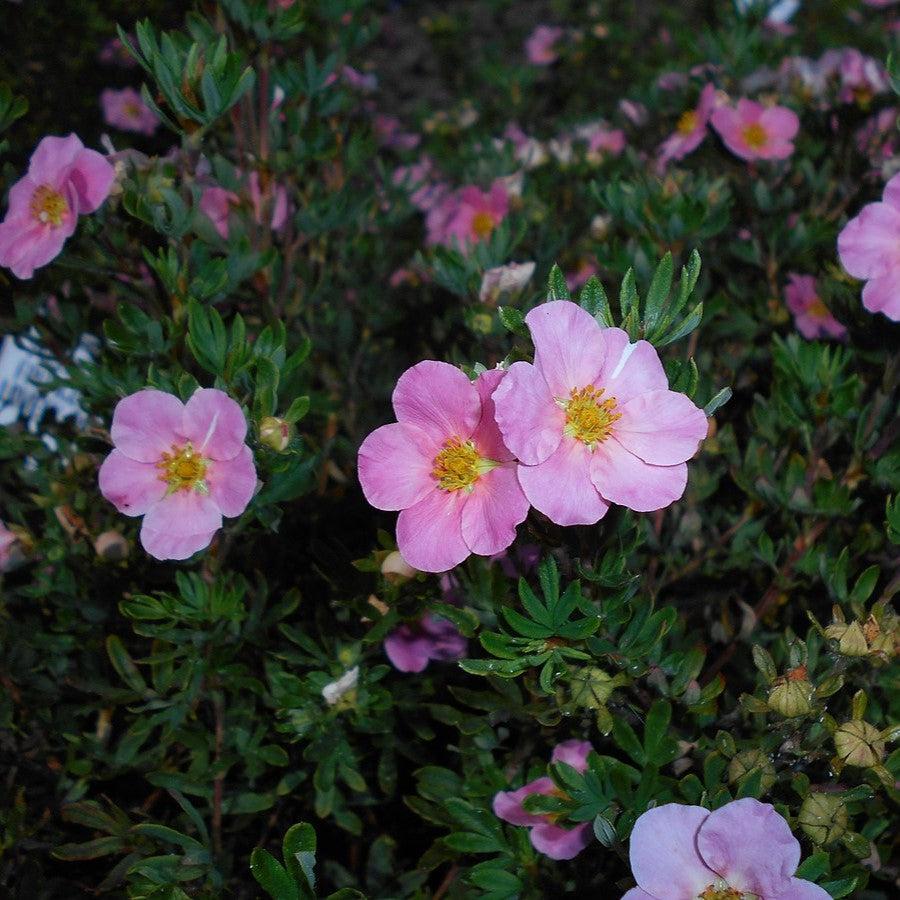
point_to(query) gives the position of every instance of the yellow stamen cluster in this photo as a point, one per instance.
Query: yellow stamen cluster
(590, 419)
(458, 466)
(817, 309)
(755, 136)
(482, 224)
(48, 206)
(687, 123)
(720, 893)
(183, 469)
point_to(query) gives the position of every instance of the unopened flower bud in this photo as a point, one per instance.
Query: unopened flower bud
(823, 817)
(111, 546)
(747, 763)
(859, 744)
(275, 433)
(792, 695)
(853, 641)
(396, 569)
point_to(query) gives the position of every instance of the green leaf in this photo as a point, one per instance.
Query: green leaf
(658, 293)
(124, 665)
(299, 850)
(271, 876)
(557, 289)
(624, 736)
(512, 319)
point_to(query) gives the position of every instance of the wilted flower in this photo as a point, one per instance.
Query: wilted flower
(540, 48)
(510, 278)
(180, 466)
(753, 131)
(811, 316)
(126, 110)
(412, 646)
(395, 568)
(336, 691)
(823, 817)
(111, 545)
(546, 835)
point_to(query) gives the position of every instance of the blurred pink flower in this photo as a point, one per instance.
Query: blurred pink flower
(411, 647)
(690, 130)
(114, 52)
(467, 216)
(869, 249)
(360, 81)
(540, 48)
(217, 203)
(744, 848)
(421, 179)
(546, 836)
(587, 266)
(127, 111)
(527, 150)
(389, 132)
(811, 316)
(443, 464)
(634, 111)
(64, 181)
(180, 466)
(509, 278)
(753, 131)
(862, 77)
(593, 421)
(601, 140)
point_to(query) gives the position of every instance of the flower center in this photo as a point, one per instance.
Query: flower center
(588, 418)
(687, 123)
(723, 892)
(458, 466)
(183, 469)
(817, 309)
(755, 136)
(132, 110)
(48, 206)
(482, 224)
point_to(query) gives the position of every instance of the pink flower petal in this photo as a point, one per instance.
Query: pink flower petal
(780, 121)
(493, 510)
(429, 534)
(664, 858)
(214, 424)
(561, 487)
(868, 245)
(487, 435)
(530, 421)
(638, 894)
(52, 157)
(574, 753)
(395, 464)
(179, 525)
(750, 846)
(508, 804)
(568, 345)
(232, 482)
(146, 424)
(131, 486)
(630, 369)
(800, 889)
(883, 295)
(891, 194)
(661, 427)
(407, 651)
(439, 399)
(623, 478)
(92, 177)
(560, 843)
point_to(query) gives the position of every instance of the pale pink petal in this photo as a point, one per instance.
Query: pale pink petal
(92, 177)
(439, 399)
(530, 421)
(407, 650)
(51, 159)
(661, 427)
(574, 753)
(493, 510)
(663, 852)
(891, 194)
(131, 486)
(395, 464)
(780, 122)
(179, 525)
(869, 246)
(508, 804)
(750, 846)
(561, 487)
(558, 842)
(429, 534)
(445, 642)
(638, 894)
(883, 295)
(23, 251)
(623, 478)
(487, 435)
(568, 345)
(146, 424)
(214, 424)
(630, 369)
(232, 482)
(800, 889)
(215, 204)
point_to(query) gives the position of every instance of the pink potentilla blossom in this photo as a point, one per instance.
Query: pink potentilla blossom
(744, 848)
(862, 77)
(443, 464)
(601, 140)
(421, 178)
(877, 138)
(593, 421)
(587, 266)
(691, 128)
(635, 112)
(753, 131)
(546, 836)
(216, 203)
(672, 81)
(540, 48)
(870, 250)
(390, 133)
(127, 111)
(411, 647)
(527, 150)
(467, 216)
(64, 181)
(8, 544)
(180, 466)
(114, 52)
(811, 316)
(277, 198)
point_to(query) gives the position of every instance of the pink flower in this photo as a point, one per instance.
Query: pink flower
(601, 141)
(127, 111)
(8, 546)
(216, 204)
(862, 77)
(691, 128)
(114, 51)
(510, 278)
(593, 421)
(681, 852)
(811, 316)
(869, 249)
(540, 48)
(64, 181)
(418, 178)
(587, 266)
(444, 466)
(411, 647)
(546, 836)
(180, 466)
(467, 216)
(390, 133)
(753, 131)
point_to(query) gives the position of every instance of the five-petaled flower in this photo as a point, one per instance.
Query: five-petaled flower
(811, 316)
(753, 131)
(182, 466)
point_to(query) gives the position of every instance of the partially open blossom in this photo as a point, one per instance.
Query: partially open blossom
(504, 279)
(342, 691)
(869, 249)
(546, 835)
(64, 181)
(412, 646)
(811, 316)
(691, 128)
(126, 110)
(744, 848)
(753, 131)
(540, 48)
(443, 464)
(593, 421)
(467, 216)
(180, 466)
(217, 203)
